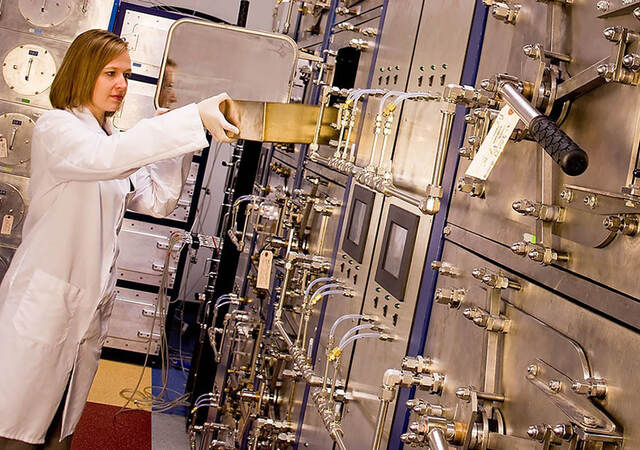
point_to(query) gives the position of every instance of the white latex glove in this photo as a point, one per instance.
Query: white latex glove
(214, 120)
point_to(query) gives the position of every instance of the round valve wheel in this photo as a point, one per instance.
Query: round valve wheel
(29, 69)
(45, 13)
(12, 209)
(15, 139)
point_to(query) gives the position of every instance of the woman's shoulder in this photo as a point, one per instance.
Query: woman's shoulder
(54, 115)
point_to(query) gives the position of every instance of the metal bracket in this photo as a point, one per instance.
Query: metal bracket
(594, 424)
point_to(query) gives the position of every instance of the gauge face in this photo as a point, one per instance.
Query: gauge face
(29, 69)
(45, 13)
(12, 209)
(16, 130)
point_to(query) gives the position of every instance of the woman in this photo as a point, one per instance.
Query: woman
(57, 296)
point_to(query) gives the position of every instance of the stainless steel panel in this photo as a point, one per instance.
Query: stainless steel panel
(544, 326)
(132, 320)
(143, 251)
(230, 65)
(419, 124)
(19, 43)
(313, 431)
(61, 20)
(342, 39)
(612, 149)
(181, 212)
(146, 35)
(393, 62)
(365, 377)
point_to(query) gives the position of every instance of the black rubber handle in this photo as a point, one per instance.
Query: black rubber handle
(571, 158)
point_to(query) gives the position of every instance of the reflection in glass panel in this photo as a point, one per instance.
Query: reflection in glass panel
(395, 249)
(357, 221)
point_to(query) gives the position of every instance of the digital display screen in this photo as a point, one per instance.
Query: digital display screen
(16, 122)
(357, 221)
(33, 53)
(395, 249)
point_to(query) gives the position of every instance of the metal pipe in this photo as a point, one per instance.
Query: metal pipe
(380, 420)
(398, 193)
(287, 24)
(510, 94)
(337, 438)
(437, 440)
(443, 145)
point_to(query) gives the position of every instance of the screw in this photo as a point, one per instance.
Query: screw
(636, 172)
(591, 201)
(612, 223)
(533, 370)
(589, 421)
(602, 5)
(567, 195)
(611, 34)
(563, 431)
(446, 231)
(602, 69)
(463, 393)
(519, 248)
(555, 385)
(536, 431)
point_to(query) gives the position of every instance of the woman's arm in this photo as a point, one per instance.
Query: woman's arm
(77, 153)
(158, 186)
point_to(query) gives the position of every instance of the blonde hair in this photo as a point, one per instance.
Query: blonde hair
(88, 54)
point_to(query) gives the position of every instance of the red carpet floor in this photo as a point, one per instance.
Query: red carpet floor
(98, 430)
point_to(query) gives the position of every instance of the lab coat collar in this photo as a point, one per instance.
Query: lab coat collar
(85, 115)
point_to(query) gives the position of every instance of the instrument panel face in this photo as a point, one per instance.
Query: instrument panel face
(61, 20)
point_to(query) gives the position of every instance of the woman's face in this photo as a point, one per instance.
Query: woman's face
(111, 86)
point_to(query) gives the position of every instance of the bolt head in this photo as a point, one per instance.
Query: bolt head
(603, 5)
(602, 69)
(610, 33)
(589, 421)
(463, 393)
(566, 195)
(627, 61)
(532, 432)
(533, 370)
(636, 13)
(555, 385)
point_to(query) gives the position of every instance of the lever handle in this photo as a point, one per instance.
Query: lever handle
(569, 156)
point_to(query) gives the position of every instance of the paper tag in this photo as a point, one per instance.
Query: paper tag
(264, 270)
(7, 224)
(4, 148)
(493, 145)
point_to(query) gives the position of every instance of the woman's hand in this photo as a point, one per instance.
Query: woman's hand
(215, 121)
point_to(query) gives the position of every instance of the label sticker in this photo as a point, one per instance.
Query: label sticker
(530, 238)
(264, 270)
(4, 147)
(493, 145)
(7, 225)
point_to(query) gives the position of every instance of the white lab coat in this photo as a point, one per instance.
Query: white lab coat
(56, 297)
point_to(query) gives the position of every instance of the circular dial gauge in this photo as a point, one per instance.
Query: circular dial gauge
(12, 209)
(29, 69)
(15, 139)
(45, 13)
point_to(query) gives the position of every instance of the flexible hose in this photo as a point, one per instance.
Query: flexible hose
(356, 337)
(342, 319)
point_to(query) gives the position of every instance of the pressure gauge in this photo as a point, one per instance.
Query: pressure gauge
(12, 209)
(15, 139)
(45, 13)
(29, 69)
